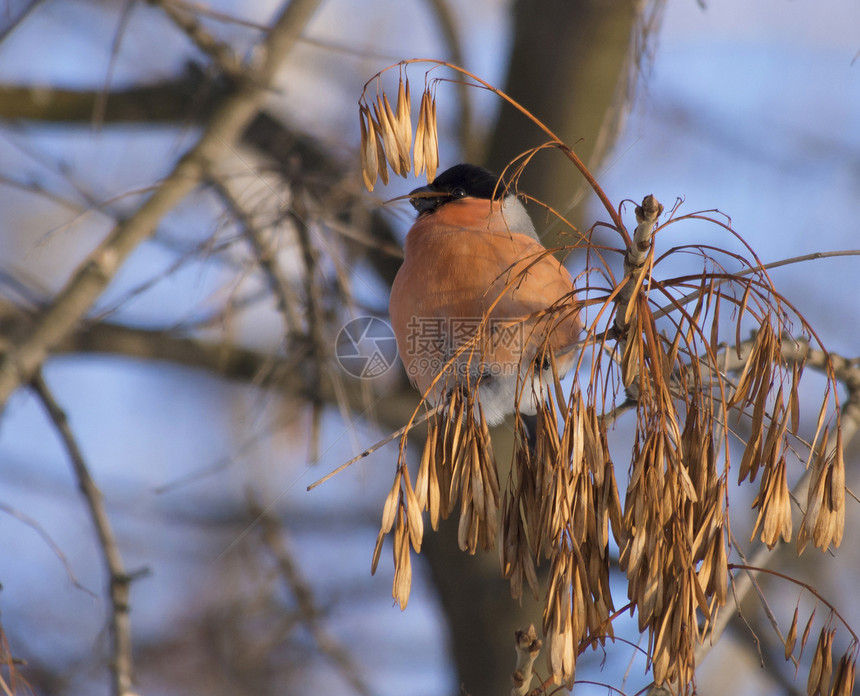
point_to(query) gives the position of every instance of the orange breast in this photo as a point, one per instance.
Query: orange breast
(463, 266)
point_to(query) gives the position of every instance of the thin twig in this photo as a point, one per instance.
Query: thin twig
(53, 545)
(756, 269)
(100, 105)
(447, 18)
(119, 582)
(314, 309)
(370, 450)
(762, 599)
(221, 53)
(19, 20)
(264, 252)
(302, 591)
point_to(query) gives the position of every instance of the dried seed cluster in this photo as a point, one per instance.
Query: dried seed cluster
(558, 507)
(674, 553)
(386, 135)
(561, 504)
(457, 466)
(822, 679)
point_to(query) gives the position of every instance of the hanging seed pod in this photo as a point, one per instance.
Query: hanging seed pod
(384, 120)
(431, 155)
(421, 134)
(369, 161)
(403, 125)
(791, 638)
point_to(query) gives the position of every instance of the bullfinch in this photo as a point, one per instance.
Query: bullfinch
(479, 301)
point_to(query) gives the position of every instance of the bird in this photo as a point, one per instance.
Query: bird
(478, 298)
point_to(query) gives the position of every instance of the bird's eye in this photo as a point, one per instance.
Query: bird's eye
(458, 192)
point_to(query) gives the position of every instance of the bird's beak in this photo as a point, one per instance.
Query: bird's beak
(425, 199)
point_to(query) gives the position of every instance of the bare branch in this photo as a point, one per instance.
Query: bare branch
(37, 527)
(264, 250)
(20, 364)
(119, 582)
(102, 99)
(166, 101)
(528, 648)
(275, 540)
(12, 23)
(222, 54)
(447, 19)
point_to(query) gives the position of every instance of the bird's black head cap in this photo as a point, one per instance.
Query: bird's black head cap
(459, 181)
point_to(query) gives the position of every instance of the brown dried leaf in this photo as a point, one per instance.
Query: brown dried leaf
(715, 322)
(403, 572)
(431, 150)
(687, 486)
(851, 672)
(745, 379)
(774, 506)
(827, 663)
(463, 528)
(752, 453)
(791, 638)
(806, 632)
(488, 463)
(631, 359)
(477, 480)
(376, 551)
(701, 601)
(619, 532)
(794, 399)
(401, 155)
(384, 120)
(389, 510)
(843, 681)
(403, 124)
(434, 494)
(814, 499)
(423, 478)
(837, 475)
(825, 526)
(421, 134)
(721, 571)
(812, 683)
(369, 161)
(413, 512)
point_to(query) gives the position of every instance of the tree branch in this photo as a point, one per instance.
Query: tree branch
(119, 582)
(20, 364)
(302, 592)
(221, 53)
(528, 648)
